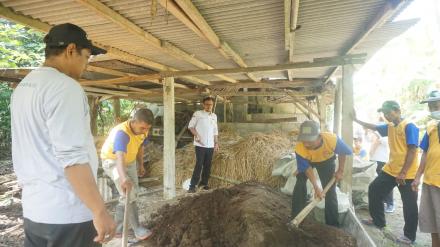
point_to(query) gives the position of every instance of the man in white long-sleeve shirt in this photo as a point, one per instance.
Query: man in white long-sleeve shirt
(53, 151)
(203, 126)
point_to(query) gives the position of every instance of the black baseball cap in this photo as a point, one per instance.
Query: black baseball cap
(388, 106)
(67, 33)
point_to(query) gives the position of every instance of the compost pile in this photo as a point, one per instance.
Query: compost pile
(239, 159)
(249, 214)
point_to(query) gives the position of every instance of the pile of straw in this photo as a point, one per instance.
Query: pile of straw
(153, 153)
(239, 159)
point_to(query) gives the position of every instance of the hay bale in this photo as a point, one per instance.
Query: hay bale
(242, 159)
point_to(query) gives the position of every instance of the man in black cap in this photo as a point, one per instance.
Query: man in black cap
(53, 150)
(400, 170)
(317, 149)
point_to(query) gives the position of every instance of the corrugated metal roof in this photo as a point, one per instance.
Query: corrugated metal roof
(253, 28)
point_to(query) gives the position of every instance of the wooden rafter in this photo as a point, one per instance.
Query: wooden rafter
(108, 13)
(111, 51)
(291, 9)
(193, 19)
(271, 84)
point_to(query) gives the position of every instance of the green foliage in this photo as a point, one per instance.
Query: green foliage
(106, 118)
(19, 47)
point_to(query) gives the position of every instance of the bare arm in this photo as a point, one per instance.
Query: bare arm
(340, 172)
(311, 176)
(422, 166)
(83, 183)
(81, 179)
(365, 124)
(419, 173)
(120, 167)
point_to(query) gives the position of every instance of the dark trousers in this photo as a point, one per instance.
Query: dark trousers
(379, 189)
(326, 171)
(389, 200)
(59, 235)
(203, 165)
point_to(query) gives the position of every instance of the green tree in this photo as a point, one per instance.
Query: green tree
(19, 47)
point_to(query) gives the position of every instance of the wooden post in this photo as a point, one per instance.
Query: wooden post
(347, 124)
(169, 154)
(93, 108)
(322, 111)
(337, 108)
(225, 111)
(117, 109)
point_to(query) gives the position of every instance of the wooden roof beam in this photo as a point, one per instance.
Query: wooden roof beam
(291, 21)
(108, 13)
(111, 51)
(190, 16)
(317, 62)
(270, 84)
(391, 7)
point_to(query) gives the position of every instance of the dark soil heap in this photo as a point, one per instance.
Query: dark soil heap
(244, 215)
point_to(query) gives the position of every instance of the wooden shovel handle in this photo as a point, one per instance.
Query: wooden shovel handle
(125, 223)
(302, 215)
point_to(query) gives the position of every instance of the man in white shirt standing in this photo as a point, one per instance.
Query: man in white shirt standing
(203, 126)
(53, 150)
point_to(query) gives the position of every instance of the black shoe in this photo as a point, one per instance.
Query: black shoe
(205, 187)
(192, 190)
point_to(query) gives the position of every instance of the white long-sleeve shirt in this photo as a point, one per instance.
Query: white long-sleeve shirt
(205, 124)
(50, 131)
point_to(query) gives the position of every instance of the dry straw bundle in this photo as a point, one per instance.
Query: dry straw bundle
(240, 159)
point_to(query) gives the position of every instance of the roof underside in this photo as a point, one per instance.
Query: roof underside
(254, 29)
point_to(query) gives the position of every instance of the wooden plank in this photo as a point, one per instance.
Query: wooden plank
(171, 7)
(107, 71)
(194, 14)
(322, 62)
(337, 109)
(287, 12)
(106, 91)
(270, 84)
(302, 109)
(169, 154)
(9, 14)
(125, 79)
(293, 25)
(308, 108)
(347, 124)
(191, 58)
(108, 13)
(129, 58)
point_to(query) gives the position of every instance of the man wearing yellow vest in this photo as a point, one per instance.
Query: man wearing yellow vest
(318, 149)
(400, 170)
(119, 154)
(429, 218)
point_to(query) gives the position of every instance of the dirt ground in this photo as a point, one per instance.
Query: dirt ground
(395, 223)
(244, 215)
(11, 231)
